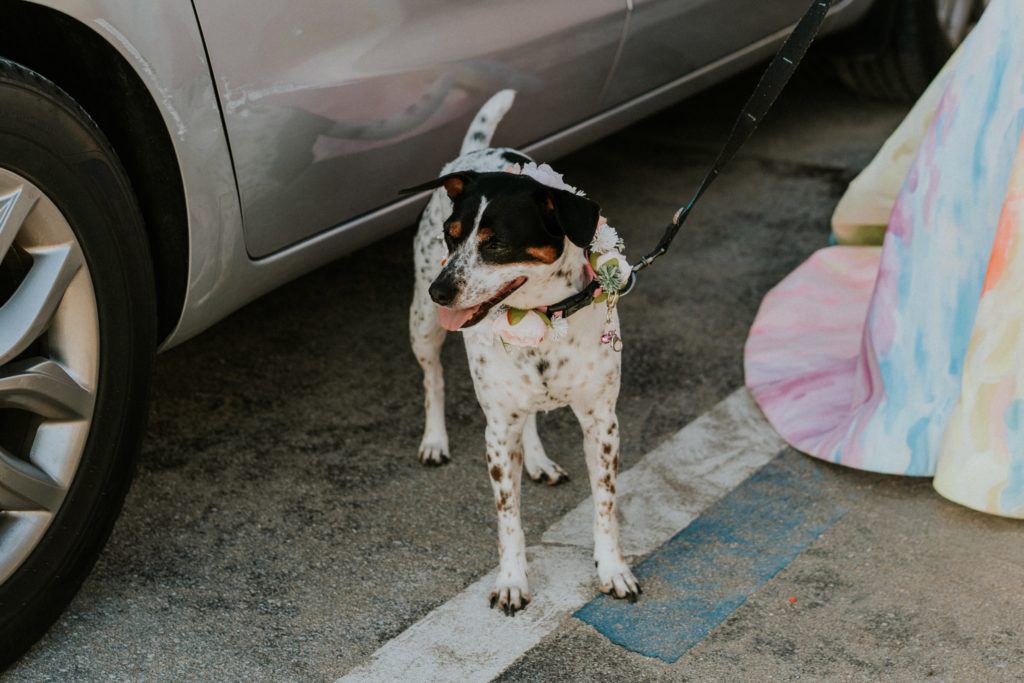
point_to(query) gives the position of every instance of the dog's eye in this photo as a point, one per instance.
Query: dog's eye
(491, 243)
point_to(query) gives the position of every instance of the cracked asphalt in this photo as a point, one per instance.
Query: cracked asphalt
(281, 529)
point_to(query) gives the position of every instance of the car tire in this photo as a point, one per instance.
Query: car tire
(902, 44)
(77, 340)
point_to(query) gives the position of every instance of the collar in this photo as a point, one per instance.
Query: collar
(591, 292)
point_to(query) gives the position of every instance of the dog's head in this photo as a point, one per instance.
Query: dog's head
(504, 231)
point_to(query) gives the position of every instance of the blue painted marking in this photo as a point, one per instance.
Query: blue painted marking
(699, 577)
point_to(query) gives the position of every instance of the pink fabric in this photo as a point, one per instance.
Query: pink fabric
(821, 312)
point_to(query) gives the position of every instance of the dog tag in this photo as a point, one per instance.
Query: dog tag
(612, 337)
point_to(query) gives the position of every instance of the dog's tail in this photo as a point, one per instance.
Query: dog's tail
(486, 121)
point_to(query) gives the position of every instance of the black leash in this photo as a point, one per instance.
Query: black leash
(774, 79)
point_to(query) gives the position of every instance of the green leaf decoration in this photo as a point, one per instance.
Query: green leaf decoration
(515, 315)
(545, 318)
(609, 278)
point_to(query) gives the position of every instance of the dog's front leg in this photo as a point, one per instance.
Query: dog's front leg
(601, 447)
(504, 438)
(427, 337)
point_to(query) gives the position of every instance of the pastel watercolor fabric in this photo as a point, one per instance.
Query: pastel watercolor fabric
(908, 358)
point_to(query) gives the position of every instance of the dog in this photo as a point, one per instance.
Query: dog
(494, 244)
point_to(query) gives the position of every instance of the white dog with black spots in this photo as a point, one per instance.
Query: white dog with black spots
(496, 244)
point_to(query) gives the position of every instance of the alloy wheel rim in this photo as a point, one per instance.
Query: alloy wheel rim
(49, 364)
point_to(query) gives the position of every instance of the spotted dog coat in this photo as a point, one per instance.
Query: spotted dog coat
(488, 238)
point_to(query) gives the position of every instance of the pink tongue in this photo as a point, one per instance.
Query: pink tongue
(453, 318)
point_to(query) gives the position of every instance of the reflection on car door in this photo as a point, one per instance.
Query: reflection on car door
(667, 39)
(331, 106)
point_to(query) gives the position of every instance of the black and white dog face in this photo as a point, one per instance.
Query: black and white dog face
(505, 230)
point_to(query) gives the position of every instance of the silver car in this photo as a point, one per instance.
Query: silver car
(162, 163)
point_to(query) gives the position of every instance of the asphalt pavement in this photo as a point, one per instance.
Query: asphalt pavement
(280, 527)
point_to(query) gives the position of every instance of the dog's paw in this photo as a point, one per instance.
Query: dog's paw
(546, 472)
(618, 581)
(509, 599)
(433, 454)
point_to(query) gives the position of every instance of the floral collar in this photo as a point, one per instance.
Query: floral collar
(605, 263)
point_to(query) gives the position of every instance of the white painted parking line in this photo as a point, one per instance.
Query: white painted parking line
(672, 484)
(464, 640)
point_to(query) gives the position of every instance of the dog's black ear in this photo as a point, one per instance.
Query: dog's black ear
(569, 214)
(454, 184)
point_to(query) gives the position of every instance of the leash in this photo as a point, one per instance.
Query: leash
(774, 79)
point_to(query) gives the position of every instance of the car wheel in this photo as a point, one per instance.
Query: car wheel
(77, 338)
(902, 44)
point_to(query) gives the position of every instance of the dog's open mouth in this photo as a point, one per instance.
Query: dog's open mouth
(458, 318)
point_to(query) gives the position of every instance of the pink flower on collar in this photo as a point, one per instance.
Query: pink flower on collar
(521, 328)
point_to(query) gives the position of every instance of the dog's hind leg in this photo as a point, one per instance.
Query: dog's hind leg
(427, 337)
(538, 465)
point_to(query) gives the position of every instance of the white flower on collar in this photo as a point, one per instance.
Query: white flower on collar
(545, 175)
(559, 327)
(605, 239)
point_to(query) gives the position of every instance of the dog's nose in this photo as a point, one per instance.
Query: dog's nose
(443, 291)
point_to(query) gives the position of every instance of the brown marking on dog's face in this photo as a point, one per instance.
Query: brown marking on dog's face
(545, 254)
(454, 186)
(455, 229)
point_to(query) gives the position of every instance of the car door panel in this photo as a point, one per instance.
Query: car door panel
(331, 106)
(666, 39)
